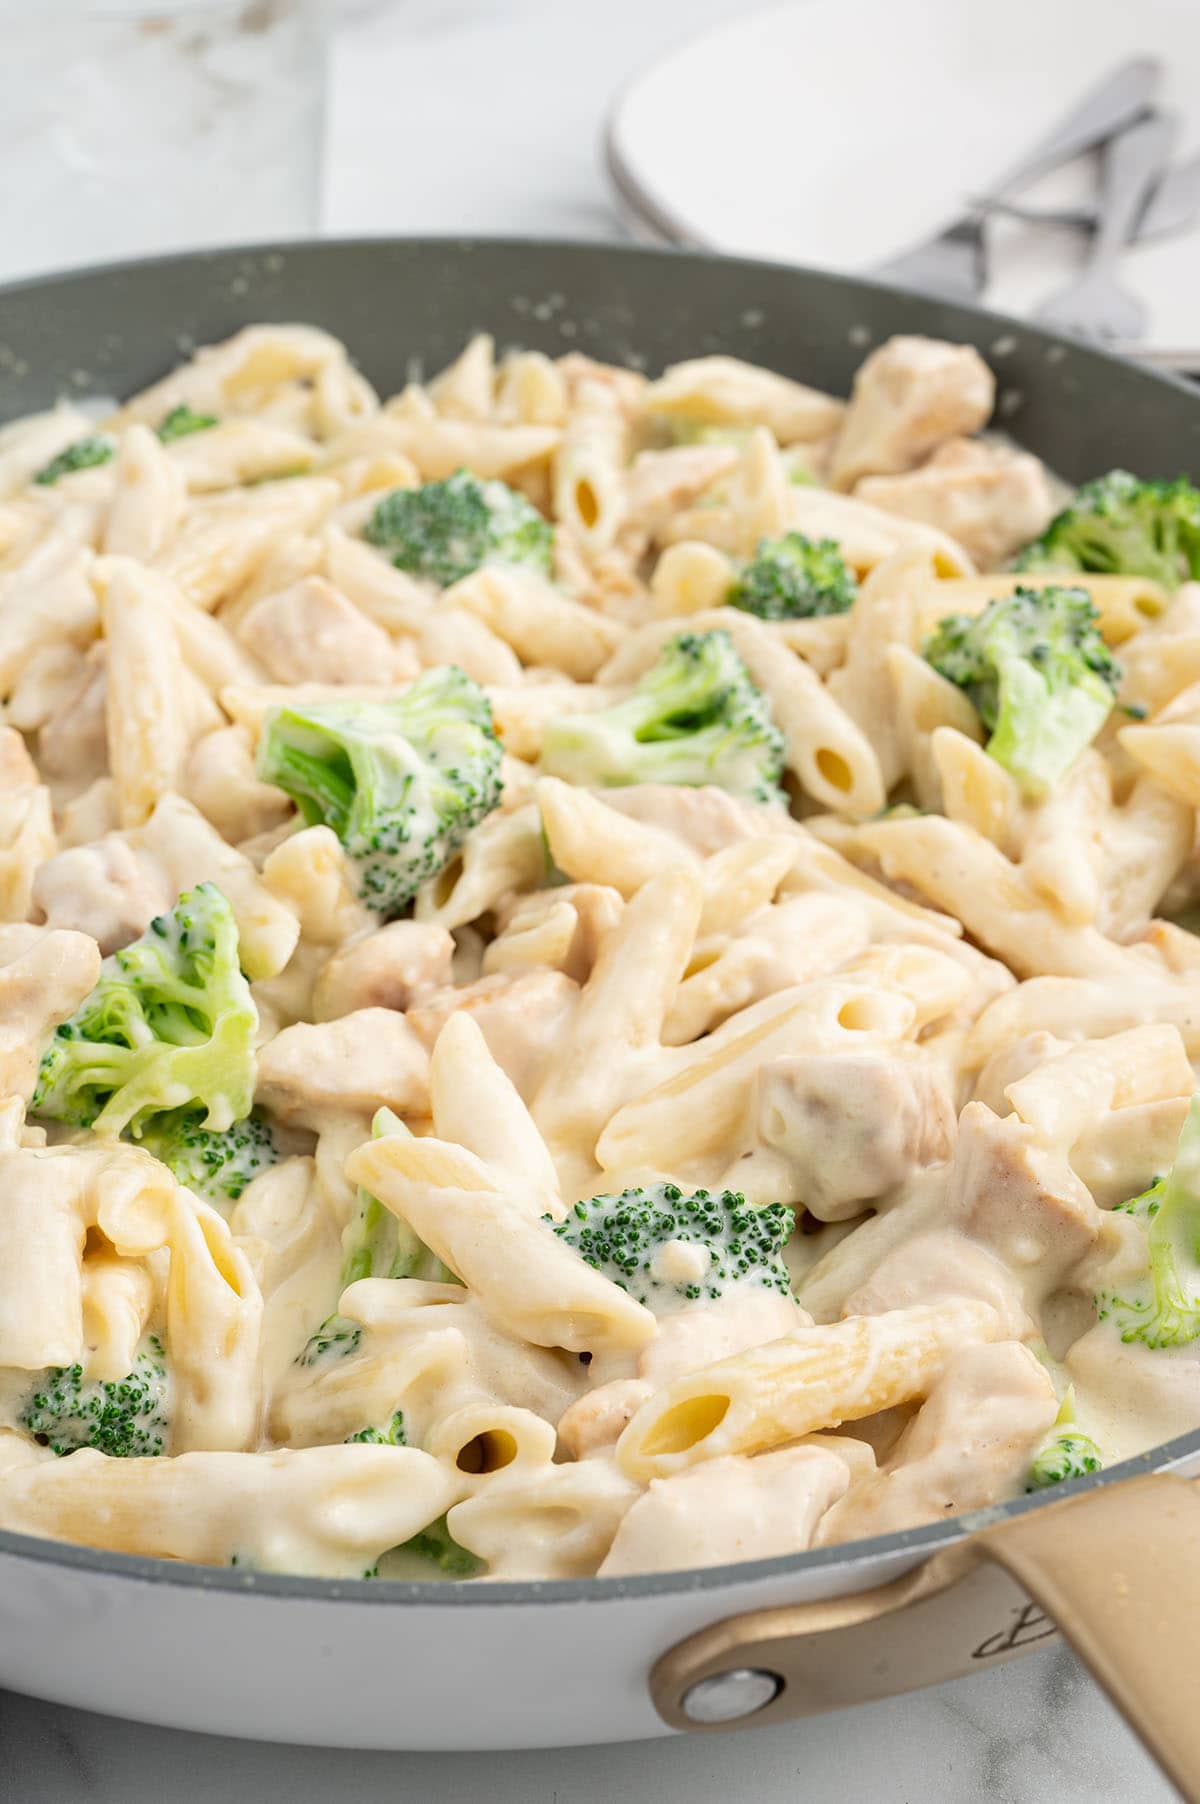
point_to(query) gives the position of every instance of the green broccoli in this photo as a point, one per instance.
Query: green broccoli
(85, 454)
(401, 782)
(444, 530)
(437, 1545)
(216, 1166)
(376, 1244)
(1039, 675)
(1064, 1454)
(171, 1023)
(336, 1338)
(1119, 525)
(694, 717)
(182, 421)
(794, 578)
(640, 1239)
(1165, 1310)
(127, 1418)
(391, 1436)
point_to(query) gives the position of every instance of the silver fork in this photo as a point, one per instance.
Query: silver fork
(1172, 207)
(953, 263)
(1095, 305)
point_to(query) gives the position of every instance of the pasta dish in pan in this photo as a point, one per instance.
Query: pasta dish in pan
(594, 972)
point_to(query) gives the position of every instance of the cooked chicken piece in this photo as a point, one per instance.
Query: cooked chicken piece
(943, 1263)
(521, 1017)
(26, 841)
(909, 397)
(729, 1509)
(707, 820)
(393, 967)
(219, 778)
(595, 1422)
(745, 1316)
(991, 498)
(106, 889)
(73, 743)
(311, 633)
(43, 979)
(970, 1444)
(362, 1062)
(560, 929)
(851, 1129)
(1017, 1198)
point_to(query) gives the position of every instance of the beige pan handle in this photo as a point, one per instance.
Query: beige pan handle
(1117, 1570)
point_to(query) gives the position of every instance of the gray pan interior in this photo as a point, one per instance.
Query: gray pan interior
(405, 307)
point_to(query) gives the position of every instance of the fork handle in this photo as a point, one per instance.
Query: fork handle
(1114, 103)
(1132, 163)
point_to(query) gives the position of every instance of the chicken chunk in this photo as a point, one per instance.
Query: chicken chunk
(106, 889)
(851, 1129)
(394, 967)
(909, 397)
(521, 1018)
(595, 1422)
(745, 1316)
(991, 498)
(729, 1509)
(1018, 1199)
(365, 1061)
(932, 1267)
(44, 976)
(311, 633)
(969, 1444)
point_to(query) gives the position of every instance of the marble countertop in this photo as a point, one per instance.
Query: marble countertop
(484, 115)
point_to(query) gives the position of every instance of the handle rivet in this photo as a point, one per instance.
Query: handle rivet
(726, 1696)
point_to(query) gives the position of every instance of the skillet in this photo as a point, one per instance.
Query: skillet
(1113, 1559)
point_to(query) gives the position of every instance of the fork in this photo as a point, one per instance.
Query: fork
(953, 263)
(1095, 305)
(1172, 207)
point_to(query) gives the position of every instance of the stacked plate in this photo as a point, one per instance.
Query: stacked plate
(837, 135)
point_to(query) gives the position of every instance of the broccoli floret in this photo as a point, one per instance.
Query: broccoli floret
(336, 1338)
(376, 1244)
(401, 782)
(84, 454)
(437, 1545)
(794, 578)
(170, 1024)
(667, 1248)
(444, 530)
(182, 421)
(1064, 1454)
(1165, 1310)
(391, 1436)
(1119, 525)
(127, 1418)
(216, 1166)
(1039, 675)
(695, 717)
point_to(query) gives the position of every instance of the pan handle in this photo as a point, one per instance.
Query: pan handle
(1117, 1570)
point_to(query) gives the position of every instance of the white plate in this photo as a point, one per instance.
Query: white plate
(838, 132)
